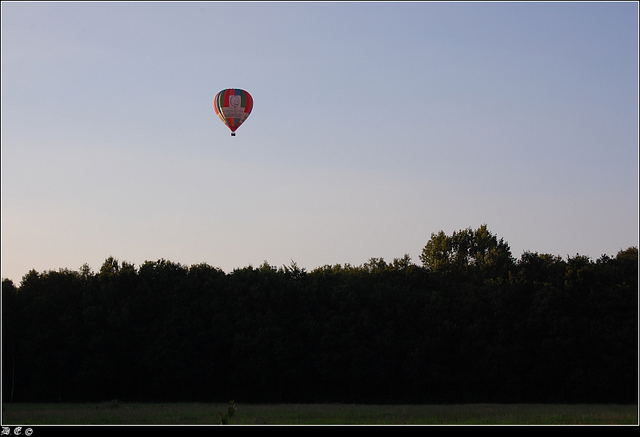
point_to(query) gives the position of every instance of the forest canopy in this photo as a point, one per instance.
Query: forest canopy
(471, 324)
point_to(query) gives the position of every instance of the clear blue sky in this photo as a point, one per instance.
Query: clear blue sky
(374, 125)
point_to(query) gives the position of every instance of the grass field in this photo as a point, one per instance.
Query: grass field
(118, 413)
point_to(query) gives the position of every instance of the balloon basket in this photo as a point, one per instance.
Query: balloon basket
(233, 134)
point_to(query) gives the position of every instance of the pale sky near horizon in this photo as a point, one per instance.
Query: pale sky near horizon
(374, 125)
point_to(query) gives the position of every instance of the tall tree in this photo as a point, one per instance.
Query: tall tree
(478, 254)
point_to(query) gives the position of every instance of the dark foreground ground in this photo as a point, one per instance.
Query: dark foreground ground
(118, 413)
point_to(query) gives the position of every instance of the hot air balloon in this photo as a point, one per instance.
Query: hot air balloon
(233, 106)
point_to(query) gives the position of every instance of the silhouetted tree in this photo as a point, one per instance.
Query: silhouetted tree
(472, 325)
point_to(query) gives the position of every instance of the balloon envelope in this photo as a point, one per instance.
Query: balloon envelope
(233, 106)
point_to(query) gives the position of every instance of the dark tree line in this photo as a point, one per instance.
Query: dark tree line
(471, 324)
